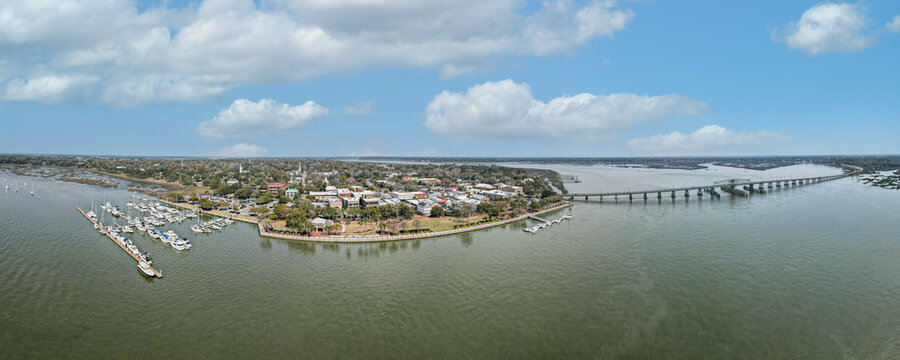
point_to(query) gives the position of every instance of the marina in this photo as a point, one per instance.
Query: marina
(143, 266)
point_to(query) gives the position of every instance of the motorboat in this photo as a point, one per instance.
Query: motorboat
(145, 257)
(145, 269)
(179, 244)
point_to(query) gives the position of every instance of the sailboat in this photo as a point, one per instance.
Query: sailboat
(32, 189)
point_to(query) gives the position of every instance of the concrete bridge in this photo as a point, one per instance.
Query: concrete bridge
(731, 186)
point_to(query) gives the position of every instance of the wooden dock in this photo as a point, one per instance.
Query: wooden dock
(133, 256)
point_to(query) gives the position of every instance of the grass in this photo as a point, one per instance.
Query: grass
(435, 224)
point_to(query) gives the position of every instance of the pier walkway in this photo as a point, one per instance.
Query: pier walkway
(133, 256)
(731, 187)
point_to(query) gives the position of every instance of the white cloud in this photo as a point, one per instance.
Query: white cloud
(506, 110)
(245, 119)
(707, 139)
(363, 108)
(830, 28)
(50, 88)
(198, 52)
(242, 150)
(893, 25)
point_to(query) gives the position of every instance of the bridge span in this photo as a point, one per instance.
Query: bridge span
(731, 186)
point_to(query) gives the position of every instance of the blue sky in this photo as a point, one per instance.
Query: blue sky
(471, 78)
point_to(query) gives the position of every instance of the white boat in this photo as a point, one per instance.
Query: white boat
(145, 269)
(196, 228)
(179, 244)
(145, 257)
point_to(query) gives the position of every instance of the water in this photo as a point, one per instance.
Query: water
(808, 272)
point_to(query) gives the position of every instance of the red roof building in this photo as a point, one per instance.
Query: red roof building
(275, 187)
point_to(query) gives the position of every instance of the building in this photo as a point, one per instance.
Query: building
(424, 206)
(516, 190)
(484, 187)
(429, 181)
(350, 202)
(344, 193)
(275, 187)
(370, 202)
(368, 194)
(401, 195)
(291, 193)
(495, 194)
(335, 203)
(323, 195)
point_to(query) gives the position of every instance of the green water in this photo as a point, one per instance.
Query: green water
(810, 272)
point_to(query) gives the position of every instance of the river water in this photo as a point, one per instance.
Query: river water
(809, 272)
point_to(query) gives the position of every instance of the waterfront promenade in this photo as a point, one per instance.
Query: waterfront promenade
(364, 238)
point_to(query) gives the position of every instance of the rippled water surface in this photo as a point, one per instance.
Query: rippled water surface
(809, 272)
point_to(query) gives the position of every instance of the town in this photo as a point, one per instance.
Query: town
(374, 199)
(323, 197)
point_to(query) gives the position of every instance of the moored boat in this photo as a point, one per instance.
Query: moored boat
(145, 269)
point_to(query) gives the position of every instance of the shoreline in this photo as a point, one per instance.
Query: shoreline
(374, 239)
(364, 238)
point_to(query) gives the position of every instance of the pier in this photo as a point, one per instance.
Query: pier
(133, 256)
(731, 186)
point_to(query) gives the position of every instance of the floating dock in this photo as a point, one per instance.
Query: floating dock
(133, 256)
(544, 223)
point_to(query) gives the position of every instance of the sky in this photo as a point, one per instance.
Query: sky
(295, 78)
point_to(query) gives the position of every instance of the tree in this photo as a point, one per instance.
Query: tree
(298, 222)
(465, 209)
(437, 211)
(205, 204)
(265, 199)
(283, 199)
(243, 193)
(518, 202)
(281, 211)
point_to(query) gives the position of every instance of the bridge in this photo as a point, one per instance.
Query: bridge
(731, 186)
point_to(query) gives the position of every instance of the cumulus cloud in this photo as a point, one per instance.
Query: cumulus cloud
(706, 139)
(893, 25)
(242, 150)
(245, 119)
(200, 51)
(829, 28)
(360, 109)
(506, 110)
(50, 88)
